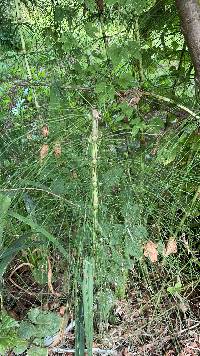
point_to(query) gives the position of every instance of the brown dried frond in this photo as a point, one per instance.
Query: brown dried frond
(44, 151)
(150, 250)
(45, 131)
(57, 149)
(171, 247)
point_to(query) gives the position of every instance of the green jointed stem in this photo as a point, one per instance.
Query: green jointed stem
(95, 118)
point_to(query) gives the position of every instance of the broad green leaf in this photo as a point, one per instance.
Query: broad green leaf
(90, 29)
(5, 202)
(20, 347)
(133, 48)
(40, 324)
(27, 330)
(39, 351)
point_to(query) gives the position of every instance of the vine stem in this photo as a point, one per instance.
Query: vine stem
(28, 69)
(171, 101)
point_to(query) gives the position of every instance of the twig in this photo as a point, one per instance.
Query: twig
(94, 351)
(33, 294)
(49, 277)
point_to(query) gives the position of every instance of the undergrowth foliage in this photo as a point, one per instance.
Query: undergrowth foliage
(99, 162)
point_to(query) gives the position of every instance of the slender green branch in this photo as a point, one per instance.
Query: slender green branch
(171, 101)
(140, 65)
(24, 50)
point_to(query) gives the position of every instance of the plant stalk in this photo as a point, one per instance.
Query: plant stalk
(24, 51)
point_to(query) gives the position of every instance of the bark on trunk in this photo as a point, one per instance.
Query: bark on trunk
(189, 11)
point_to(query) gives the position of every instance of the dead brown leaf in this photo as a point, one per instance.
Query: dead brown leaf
(57, 149)
(150, 250)
(62, 310)
(44, 151)
(191, 349)
(171, 247)
(45, 131)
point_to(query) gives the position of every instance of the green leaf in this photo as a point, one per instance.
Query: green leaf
(27, 330)
(111, 2)
(116, 53)
(39, 351)
(5, 202)
(40, 324)
(90, 29)
(126, 81)
(175, 289)
(20, 347)
(133, 48)
(42, 230)
(9, 252)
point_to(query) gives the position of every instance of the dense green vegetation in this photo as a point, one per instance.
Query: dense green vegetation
(99, 167)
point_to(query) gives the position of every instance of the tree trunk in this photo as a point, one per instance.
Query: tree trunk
(189, 11)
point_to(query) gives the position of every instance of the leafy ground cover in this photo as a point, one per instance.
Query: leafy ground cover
(99, 180)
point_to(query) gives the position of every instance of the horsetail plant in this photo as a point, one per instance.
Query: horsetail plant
(88, 266)
(88, 263)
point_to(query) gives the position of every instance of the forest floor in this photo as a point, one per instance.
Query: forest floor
(139, 324)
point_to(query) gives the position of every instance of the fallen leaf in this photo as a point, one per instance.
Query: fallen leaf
(44, 151)
(62, 310)
(171, 247)
(170, 353)
(190, 350)
(45, 131)
(57, 150)
(150, 250)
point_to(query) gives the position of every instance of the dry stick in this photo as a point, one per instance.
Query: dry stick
(16, 285)
(94, 350)
(24, 50)
(49, 277)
